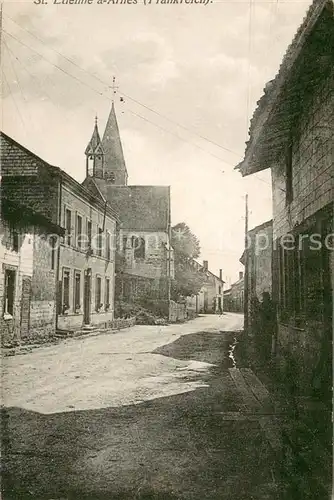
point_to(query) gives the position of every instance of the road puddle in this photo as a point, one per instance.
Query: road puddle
(231, 352)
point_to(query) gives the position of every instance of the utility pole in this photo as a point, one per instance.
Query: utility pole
(169, 255)
(246, 309)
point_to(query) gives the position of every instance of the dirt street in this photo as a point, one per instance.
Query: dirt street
(145, 413)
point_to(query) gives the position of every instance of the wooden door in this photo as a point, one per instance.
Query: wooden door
(87, 296)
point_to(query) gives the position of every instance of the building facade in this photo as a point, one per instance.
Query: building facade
(145, 256)
(292, 133)
(86, 281)
(83, 258)
(27, 274)
(210, 299)
(234, 296)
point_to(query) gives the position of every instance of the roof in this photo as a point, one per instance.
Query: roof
(141, 208)
(201, 267)
(267, 106)
(18, 161)
(260, 227)
(17, 213)
(111, 144)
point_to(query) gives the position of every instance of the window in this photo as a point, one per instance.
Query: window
(79, 231)
(99, 242)
(66, 290)
(219, 290)
(15, 240)
(68, 226)
(77, 287)
(107, 294)
(53, 244)
(89, 233)
(98, 294)
(108, 246)
(10, 276)
(288, 175)
(125, 243)
(139, 248)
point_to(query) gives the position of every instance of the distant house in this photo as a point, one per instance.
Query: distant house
(145, 219)
(82, 271)
(257, 259)
(27, 273)
(234, 296)
(210, 297)
(291, 133)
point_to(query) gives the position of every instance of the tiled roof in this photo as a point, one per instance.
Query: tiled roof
(141, 208)
(19, 213)
(273, 88)
(16, 159)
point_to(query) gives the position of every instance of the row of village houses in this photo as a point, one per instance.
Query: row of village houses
(69, 250)
(289, 263)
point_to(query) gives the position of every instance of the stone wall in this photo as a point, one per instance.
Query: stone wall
(177, 312)
(43, 289)
(312, 159)
(152, 262)
(299, 346)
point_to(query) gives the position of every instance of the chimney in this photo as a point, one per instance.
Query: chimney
(205, 265)
(241, 275)
(221, 274)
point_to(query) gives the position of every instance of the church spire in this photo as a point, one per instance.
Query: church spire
(114, 163)
(95, 155)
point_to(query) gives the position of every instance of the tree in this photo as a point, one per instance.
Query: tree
(188, 280)
(184, 242)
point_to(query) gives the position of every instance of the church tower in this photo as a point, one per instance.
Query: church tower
(115, 171)
(95, 155)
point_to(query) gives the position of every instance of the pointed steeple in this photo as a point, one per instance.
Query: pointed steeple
(95, 155)
(114, 163)
(95, 140)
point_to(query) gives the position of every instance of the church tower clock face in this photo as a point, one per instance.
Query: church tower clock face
(110, 176)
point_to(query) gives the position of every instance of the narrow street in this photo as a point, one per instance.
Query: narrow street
(146, 413)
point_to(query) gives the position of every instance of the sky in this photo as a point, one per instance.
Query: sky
(190, 76)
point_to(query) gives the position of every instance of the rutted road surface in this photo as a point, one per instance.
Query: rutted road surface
(134, 415)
